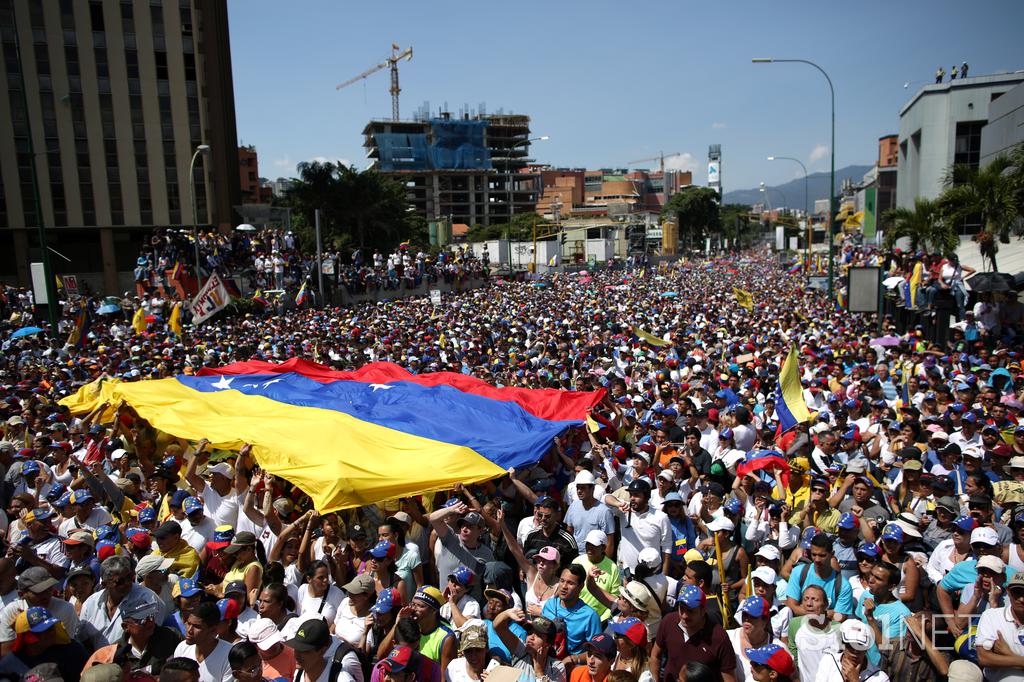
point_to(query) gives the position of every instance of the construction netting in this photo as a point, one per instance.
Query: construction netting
(452, 145)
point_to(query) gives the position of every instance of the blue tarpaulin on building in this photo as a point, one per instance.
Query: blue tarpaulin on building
(453, 145)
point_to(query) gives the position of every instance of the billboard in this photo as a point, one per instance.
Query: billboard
(713, 173)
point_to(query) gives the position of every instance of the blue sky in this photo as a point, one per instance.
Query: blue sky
(610, 82)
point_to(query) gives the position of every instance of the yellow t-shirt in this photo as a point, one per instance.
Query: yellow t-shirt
(186, 561)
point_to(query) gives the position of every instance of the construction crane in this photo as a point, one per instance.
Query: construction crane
(397, 55)
(660, 158)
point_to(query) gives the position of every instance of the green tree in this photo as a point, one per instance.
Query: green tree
(696, 211)
(520, 229)
(357, 208)
(735, 221)
(924, 225)
(992, 193)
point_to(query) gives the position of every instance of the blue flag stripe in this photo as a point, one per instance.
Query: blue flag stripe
(502, 432)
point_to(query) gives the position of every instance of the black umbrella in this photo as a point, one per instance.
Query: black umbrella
(991, 281)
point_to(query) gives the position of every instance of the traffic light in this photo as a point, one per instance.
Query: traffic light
(564, 237)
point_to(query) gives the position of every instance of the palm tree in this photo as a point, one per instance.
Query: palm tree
(923, 225)
(991, 192)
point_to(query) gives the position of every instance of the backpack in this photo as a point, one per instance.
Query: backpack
(836, 584)
(343, 650)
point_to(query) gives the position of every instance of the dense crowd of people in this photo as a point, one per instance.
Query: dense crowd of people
(680, 534)
(269, 258)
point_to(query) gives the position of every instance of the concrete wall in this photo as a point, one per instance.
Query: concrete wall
(927, 131)
(1005, 127)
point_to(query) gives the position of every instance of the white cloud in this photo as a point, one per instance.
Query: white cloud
(681, 162)
(819, 152)
(284, 164)
(718, 125)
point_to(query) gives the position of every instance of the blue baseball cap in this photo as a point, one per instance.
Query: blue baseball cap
(755, 606)
(970, 417)
(462, 576)
(56, 492)
(892, 532)
(848, 521)
(691, 596)
(147, 514)
(966, 523)
(773, 656)
(733, 505)
(187, 587)
(191, 504)
(30, 467)
(725, 433)
(39, 619)
(868, 549)
(81, 496)
(178, 497)
(63, 501)
(808, 535)
(391, 598)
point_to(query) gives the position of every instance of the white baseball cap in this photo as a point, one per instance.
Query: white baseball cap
(264, 633)
(857, 634)
(992, 563)
(765, 574)
(769, 552)
(222, 468)
(721, 523)
(984, 535)
(649, 557)
(596, 537)
(584, 478)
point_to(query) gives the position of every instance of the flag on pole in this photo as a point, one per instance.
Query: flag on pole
(300, 297)
(83, 321)
(175, 320)
(796, 267)
(744, 298)
(139, 321)
(259, 298)
(789, 401)
(178, 272)
(554, 261)
(60, 282)
(915, 283)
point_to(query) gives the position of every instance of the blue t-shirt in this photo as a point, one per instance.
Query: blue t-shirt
(496, 647)
(801, 577)
(965, 573)
(890, 621)
(582, 521)
(581, 622)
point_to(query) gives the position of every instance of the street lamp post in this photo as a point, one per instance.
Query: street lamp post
(200, 149)
(832, 173)
(807, 214)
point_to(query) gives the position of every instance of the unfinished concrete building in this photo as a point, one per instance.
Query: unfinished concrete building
(471, 170)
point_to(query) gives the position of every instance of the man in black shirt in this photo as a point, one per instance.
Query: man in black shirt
(552, 533)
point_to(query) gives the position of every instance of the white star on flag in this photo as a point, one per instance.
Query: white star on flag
(224, 383)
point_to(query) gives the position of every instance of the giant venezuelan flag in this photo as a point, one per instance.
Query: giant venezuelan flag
(353, 440)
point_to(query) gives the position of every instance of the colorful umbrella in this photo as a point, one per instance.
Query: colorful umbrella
(26, 331)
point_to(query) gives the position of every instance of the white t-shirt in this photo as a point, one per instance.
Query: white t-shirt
(829, 670)
(347, 625)
(470, 608)
(456, 670)
(992, 623)
(650, 529)
(97, 517)
(813, 644)
(213, 668)
(199, 534)
(325, 607)
(223, 510)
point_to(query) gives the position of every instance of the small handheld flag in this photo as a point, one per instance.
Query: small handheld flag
(139, 321)
(259, 298)
(650, 338)
(744, 298)
(790, 404)
(300, 298)
(175, 320)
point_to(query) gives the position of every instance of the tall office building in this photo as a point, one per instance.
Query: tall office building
(117, 96)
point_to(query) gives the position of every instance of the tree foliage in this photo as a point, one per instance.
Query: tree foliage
(991, 192)
(924, 225)
(519, 229)
(696, 211)
(357, 208)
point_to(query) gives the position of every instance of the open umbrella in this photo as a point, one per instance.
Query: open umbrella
(245, 227)
(990, 281)
(885, 341)
(26, 331)
(108, 309)
(890, 282)
(670, 294)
